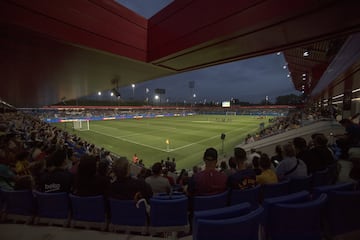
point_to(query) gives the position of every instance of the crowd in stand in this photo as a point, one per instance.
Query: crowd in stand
(37, 156)
(276, 126)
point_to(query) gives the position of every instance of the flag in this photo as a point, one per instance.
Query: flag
(167, 141)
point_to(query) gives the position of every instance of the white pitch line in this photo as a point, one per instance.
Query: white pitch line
(126, 140)
(160, 149)
(204, 140)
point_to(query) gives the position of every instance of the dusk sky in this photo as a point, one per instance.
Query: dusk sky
(248, 80)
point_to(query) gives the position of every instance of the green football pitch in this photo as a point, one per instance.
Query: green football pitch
(188, 137)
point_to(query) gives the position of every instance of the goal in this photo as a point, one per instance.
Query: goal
(230, 113)
(81, 124)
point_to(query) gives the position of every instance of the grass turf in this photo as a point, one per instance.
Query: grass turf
(188, 136)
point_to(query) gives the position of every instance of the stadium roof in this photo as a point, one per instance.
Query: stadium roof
(55, 50)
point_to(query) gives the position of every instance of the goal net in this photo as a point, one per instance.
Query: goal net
(230, 113)
(81, 124)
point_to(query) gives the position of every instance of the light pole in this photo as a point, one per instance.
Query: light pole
(133, 88)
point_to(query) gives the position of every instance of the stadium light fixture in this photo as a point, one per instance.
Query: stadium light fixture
(133, 89)
(99, 93)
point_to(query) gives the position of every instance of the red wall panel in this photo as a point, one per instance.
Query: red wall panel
(209, 21)
(95, 24)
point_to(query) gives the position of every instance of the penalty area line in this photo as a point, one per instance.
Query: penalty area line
(127, 140)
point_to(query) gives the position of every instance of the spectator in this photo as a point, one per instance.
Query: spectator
(278, 157)
(22, 164)
(135, 159)
(172, 165)
(7, 176)
(322, 156)
(87, 181)
(144, 173)
(354, 157)
(302, 151)
(125, 187)
(350, 139)
(244, 177)
(232, 166)
(253, 154)
(169, 178)
(290, 166)
(267, 175)
(183, 179)
(158, 183)
(57, 179)
(209, 181)
(256, 165)
(223, 166)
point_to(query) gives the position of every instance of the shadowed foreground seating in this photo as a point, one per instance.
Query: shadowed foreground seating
(88, 212)
(297, 221)
(126, 216)
(275, 189)
(298, 184)
(245, 227)
(250, 195)
(210, 202)
(220, 213)
(168, 216)
(19, 206)
(342, 213)
(52, 208)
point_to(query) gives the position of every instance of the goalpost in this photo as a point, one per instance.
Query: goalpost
(81, 124)
(230, 113)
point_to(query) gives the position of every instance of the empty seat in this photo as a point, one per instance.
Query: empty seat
(321, 178)
(298, 184)
(210, 202)
(88, 212)
(346, 186)
(168, 216)
(52, 208)
(296, 221)
(268, 203)
(126, 216)
(342, 213)
(19, 205)
(250, 195)
(245, 227)
(220, 213)
(275, 189)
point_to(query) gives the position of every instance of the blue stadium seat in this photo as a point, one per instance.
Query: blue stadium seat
(298, 184)
(210, 202)
(321, 178)
(220, 213)
(173, 195)
(275, 189)
(88, 212)
(126, 216)
(297, 221)
(245, 227)
(342, 213)
(19, 205)
(346, 186)
(268, 203)
(250, 195)
(168, 216)
(52, 208)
